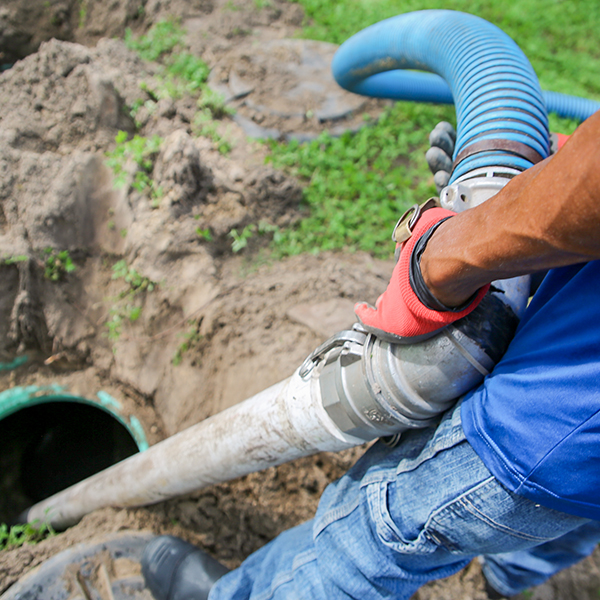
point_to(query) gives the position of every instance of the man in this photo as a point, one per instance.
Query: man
(512, 473)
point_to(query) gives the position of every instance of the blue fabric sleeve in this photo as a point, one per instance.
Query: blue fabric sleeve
(535, 420)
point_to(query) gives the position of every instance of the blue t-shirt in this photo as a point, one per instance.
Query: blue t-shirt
(535, 420)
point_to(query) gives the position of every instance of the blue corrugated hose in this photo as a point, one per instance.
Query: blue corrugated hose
(480, 68)
(427, 87)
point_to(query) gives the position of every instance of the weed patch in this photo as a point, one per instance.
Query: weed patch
(128, 304)
(11, 260)
(162, 38)
(191, 338)
(142, 151)
(30, 533)
(57, 264)
(182, 73)
(241, 239)
(206, 126)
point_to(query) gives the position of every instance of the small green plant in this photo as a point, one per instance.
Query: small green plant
(161, 39)
(240, 240)
(206, 126)
(191, 338)
(11, 260)
(127, 305)
(118, 315)
(182, 72)
(135, 107)
(191, 69)
(214, 103)
(142, 151)
(29, 533)
(137, 283)
(57, 264)
(260, 4)
(114, 324)
(205, 234)
(82, 13)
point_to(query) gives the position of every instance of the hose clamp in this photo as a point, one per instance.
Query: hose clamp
(405, 225)
(356, 335)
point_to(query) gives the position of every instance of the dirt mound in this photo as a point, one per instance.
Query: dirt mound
(25, 24)
(210, 327)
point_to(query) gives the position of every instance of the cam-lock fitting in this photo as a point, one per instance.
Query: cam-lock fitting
(371, 388)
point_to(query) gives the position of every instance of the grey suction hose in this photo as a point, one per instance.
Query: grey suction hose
(356, 387)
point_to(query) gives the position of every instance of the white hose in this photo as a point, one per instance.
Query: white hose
(279, 424)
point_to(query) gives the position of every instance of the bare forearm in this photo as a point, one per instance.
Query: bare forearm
(547, 217)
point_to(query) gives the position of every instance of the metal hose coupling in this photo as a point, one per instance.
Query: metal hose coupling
(371, 388)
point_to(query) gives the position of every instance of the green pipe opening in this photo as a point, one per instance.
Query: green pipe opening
(50, 439)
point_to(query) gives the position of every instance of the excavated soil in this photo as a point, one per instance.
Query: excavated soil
(216, 326)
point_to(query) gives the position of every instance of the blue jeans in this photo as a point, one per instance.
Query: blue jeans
(404, 516)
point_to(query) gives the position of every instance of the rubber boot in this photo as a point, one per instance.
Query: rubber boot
(176, 570)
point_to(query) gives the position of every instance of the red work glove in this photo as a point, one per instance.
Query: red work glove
(399, 315)
(557, 141)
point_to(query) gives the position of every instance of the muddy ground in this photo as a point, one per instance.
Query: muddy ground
(213, 327)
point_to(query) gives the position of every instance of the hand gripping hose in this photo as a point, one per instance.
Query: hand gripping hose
(501, 114)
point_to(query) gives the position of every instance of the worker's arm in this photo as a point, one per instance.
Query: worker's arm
(549, 216)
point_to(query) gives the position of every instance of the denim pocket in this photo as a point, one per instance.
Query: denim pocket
(407, 540)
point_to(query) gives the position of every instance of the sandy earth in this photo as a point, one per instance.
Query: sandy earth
(248, 322)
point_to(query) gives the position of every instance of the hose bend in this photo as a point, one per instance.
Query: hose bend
(427, 87)
(501, 114)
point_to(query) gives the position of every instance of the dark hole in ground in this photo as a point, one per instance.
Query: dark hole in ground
(48, 447)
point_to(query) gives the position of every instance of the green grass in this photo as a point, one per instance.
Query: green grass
(29, 533)
(162, 38)
(357, 186)
(558, 36)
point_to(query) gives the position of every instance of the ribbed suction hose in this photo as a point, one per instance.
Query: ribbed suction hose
(427, 87)
(499, 103)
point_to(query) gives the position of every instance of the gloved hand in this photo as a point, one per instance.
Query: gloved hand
(442, 140)
(400, 315)
(557, 141)
(439, 156)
